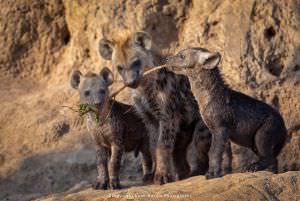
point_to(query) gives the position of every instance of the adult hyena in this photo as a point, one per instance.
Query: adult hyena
(163, 99)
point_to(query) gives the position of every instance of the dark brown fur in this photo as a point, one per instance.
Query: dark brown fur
(230, 114)
(123, 131)
(202, 142)
(163, 99)
(167, 101)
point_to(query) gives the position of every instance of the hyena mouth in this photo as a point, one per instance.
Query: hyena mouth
(134, 84)
(98, 106)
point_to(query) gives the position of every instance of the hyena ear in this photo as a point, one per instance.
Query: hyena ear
(212, 61)
(106, 48)
(107, 76)
(75, 79)
(143, 39)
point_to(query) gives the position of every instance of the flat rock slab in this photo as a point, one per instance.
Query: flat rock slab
(240, 186)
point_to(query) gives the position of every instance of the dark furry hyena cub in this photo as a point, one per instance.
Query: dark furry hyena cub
(230, 114)
(124, 131)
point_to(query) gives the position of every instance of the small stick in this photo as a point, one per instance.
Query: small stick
(145, 73)
(113, 95)
(69, 108)
(90, 108)
(154, 69)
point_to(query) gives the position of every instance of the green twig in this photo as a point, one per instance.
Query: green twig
(86, 108)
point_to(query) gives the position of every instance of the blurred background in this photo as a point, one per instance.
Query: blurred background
(46, 149)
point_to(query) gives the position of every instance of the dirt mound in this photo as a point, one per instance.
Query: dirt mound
(45, 148)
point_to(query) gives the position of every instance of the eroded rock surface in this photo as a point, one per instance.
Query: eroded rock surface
(247, 186)
(41, 41)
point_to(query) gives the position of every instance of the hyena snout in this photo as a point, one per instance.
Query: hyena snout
(132, 78)
(132, 75)
(96, 97)
(175, 61)
(100, 98)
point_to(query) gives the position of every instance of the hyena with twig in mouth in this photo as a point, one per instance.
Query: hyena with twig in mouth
(231, 115)
(163, 99)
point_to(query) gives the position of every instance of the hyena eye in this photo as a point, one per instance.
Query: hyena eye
(182, 56)
(120, 68)
(86, 93)
(136, 64)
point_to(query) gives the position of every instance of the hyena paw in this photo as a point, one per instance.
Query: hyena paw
(212, 175)
(163, 178)
(115, 184)
(253, 167)
(100, 185)
(148, 178)
(228, 170)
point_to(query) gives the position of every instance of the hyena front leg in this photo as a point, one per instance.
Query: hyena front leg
(102, 155)
(164, 150)
(219, 139)
(181, 164)
(227, 159)
(114, 166)
(183, 139)
(147, 164)
(201, 143)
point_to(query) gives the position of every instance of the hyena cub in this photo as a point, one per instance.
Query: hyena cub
(123, 132)
(230, 114)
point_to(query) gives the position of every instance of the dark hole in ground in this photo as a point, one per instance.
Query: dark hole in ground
(214, 23)
(60, 129)
(275, 102)
(269, 33)
(274, 67)
(87, 53)
(66, 35)
(296, 67)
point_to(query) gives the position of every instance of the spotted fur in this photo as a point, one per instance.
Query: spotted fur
(163, 100)
(119, 130)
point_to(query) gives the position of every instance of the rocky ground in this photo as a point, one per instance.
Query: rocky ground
(45, 149)
(257, 186)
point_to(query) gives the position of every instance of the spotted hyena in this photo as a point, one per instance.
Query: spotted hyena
(231, 115)
(120, 129)
(163, 100)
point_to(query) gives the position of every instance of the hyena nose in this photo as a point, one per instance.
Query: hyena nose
(131, 83)
(98, 101)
